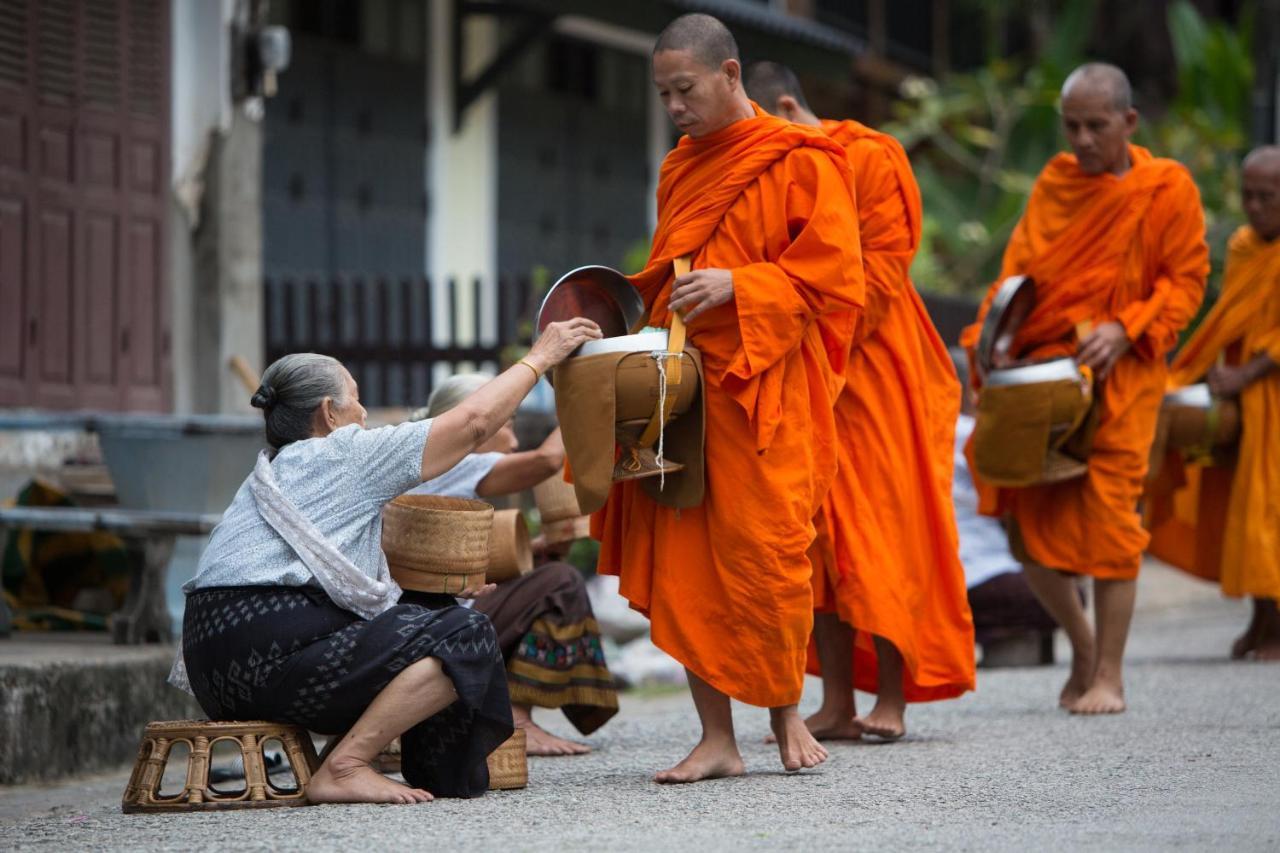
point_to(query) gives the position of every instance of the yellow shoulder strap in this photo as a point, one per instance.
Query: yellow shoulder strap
(671, 364)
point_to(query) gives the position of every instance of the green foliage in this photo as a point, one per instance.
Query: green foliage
(978, 140)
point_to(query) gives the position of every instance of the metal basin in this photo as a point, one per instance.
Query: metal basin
(1053, 370)
(190, 463)
(645, 342)
(597, 293)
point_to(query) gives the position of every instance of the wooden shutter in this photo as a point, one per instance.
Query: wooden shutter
(83, 157)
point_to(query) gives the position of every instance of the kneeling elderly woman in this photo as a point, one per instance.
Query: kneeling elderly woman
(293, 615)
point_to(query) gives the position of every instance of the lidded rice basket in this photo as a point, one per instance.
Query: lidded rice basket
(437, 544)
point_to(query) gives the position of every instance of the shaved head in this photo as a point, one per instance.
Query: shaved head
(698, 75)
(1264, 158)
(1098, 118)
(705, 37)
(767, 82)
(1093, 77)
(1260, 190)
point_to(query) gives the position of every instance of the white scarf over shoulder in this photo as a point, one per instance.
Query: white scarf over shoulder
(345, 584)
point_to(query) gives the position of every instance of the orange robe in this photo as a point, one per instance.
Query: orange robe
(888, 539)
(726, 585)
(1102, 248)
(1224, 523)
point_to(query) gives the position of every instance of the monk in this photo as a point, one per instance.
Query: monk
(1228, 528)
(766, 211)
(1114, 239)
(886, 561)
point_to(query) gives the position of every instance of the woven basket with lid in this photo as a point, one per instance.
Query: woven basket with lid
(437, 544)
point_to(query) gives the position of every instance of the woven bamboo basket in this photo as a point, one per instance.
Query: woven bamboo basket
(562, 519)
(556, 499)
(509, 764)
(510, 555)
(436, 544)
(568, 530)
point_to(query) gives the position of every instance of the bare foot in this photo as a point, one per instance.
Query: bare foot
(354, 782)
(829, 725)
(796, 746)
(539, 741)
(1077, 682)
(1267, 652)
(1101, 698)
(887, 722)
(1246, 642)
(707, 761)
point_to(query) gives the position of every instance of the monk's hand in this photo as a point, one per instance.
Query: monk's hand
(1103, 348)
(701, 290)
(477, 591)
(559, 340)
(1226, 381)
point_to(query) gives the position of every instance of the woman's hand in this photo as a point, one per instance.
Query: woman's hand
(544, 551)
(477, 591)
(558, 340)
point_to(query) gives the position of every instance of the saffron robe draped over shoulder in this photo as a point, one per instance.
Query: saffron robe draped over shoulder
(1224, 523)
(1102, 248)
(726, 585)
(887, 547)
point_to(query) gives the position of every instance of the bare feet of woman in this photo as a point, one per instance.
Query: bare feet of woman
(886, 721)
(830, 725)
(1104, 696)
(707, 761)
(796, 746)
(349, 781)
(539, 741)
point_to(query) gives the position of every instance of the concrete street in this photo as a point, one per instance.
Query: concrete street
(1193, 765)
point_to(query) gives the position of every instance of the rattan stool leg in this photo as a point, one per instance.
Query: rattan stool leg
(303, 760)
(255, 773)
(198, 770)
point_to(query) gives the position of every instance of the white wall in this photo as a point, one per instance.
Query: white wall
(200, 105)
(462, 175)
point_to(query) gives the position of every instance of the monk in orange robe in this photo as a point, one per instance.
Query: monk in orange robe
(893, 613)
(1114, 239)
(766, 210)
(1223, 523)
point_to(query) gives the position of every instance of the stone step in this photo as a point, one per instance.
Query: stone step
(72, 703)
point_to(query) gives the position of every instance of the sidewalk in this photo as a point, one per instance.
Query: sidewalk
(1191, 765)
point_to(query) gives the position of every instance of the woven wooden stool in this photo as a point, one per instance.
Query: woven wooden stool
(200, 736)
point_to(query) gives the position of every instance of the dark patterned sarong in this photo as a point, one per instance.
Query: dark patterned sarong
(551, 642)
(290, 655)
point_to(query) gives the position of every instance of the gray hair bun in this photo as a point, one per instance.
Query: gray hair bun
(263, 398)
